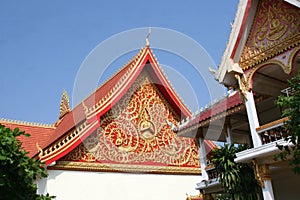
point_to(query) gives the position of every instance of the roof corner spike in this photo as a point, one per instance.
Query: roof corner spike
(64, 106)
(147, 37)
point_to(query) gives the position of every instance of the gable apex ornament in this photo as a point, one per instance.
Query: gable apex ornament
(147, 37)
(64, 106)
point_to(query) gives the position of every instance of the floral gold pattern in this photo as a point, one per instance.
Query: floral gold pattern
(135, 132)
(275, 29)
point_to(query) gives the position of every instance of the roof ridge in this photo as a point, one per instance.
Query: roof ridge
(26, 123)
(123, 67)
(169, 82)
(110, 77)
(130, 64)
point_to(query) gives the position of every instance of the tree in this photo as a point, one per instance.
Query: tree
(17, 171)
(291, 105)
(237, 179)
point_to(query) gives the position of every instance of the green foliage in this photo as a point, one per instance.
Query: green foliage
(237, 179)
(291, 105)
(17, 171)
(223, 196)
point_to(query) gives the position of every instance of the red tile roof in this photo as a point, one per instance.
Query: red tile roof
(38, 135)
(217, 108)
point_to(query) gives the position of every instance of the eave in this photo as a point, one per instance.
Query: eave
(239, 33)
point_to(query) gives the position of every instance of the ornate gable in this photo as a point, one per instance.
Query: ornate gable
(134, 136)
(75, 126)
(276, 28)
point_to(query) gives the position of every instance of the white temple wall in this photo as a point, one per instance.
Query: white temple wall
(79, 185)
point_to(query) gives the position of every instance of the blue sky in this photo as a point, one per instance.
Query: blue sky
(44, 43)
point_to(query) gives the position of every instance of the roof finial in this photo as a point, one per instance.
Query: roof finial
(64, 107)
(147, 37)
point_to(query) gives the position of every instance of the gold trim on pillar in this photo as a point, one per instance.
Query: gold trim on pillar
(192, 197)
(261, 173)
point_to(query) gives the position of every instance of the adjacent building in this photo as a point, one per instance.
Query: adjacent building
(262, 53)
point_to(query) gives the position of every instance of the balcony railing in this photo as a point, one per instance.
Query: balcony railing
(212, 172)
(272, 131)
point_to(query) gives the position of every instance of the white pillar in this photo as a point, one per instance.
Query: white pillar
(253, 119)
(268, 190)
(203, 161)
(229, 135)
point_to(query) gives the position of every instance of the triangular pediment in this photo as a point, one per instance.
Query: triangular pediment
(134, 136)
(126, 122)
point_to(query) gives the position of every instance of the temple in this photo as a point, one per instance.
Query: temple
(119, 138)
(126, 140)
(262, 54)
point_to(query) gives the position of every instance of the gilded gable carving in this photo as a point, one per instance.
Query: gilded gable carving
(275, 29)
(135, 132)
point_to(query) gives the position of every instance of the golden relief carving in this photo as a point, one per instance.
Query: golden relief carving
(91, 166)
(284, 60)
(261, 172)
(243, 85)
(135, 132)
(275, 29)
(146, 126)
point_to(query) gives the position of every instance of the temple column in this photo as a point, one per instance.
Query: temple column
(265, 182)
(263, 177)
(268, 190)
(203, 161)
(252, 118)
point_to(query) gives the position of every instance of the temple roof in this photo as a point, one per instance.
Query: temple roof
(75, 125)
(216, 111)
(39, 134)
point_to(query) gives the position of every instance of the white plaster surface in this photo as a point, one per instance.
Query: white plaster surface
(78, 185)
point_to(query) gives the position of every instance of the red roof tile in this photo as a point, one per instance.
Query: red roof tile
(38, 134)
(219, 107)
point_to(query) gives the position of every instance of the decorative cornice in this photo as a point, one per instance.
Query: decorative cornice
(65, 142)
(125, 168)
(258, 56)
(285, 66)
(24, 123)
